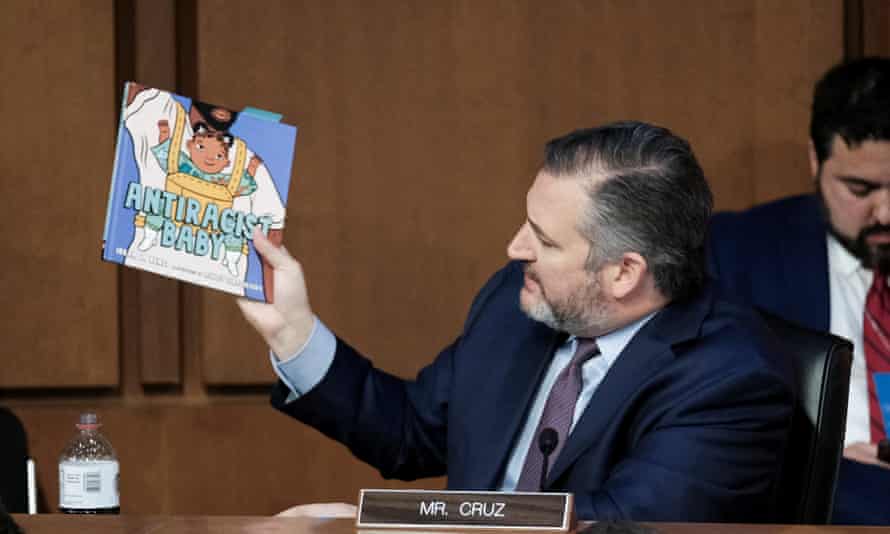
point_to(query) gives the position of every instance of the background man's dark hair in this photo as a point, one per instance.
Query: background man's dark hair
(654, 201)
(852, 100)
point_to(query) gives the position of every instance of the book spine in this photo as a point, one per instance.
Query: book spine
(109, 255)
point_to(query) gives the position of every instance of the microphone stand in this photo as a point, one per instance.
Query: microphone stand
(548, 439)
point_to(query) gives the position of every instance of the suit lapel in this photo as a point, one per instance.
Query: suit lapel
(805, 265)
(647, 352)
(527, 364)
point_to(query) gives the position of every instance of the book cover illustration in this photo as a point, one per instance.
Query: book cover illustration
(191, 181)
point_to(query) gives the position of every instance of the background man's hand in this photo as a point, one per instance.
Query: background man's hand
(287, 322)
(865, 453)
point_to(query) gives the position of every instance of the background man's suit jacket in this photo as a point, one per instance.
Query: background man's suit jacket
(775, 257)
(690, 423)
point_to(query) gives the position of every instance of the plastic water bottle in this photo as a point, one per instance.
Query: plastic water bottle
(89, 472)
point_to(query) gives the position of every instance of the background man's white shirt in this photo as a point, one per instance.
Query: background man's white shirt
(848, 285)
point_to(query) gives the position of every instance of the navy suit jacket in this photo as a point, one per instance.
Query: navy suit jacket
(689, 424)
(775, 257)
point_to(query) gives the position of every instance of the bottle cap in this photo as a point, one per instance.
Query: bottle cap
(88, 421)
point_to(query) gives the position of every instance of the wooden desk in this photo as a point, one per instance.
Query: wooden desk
(133, 524)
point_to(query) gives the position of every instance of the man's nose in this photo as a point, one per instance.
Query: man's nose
(882, 206)
(520, 246)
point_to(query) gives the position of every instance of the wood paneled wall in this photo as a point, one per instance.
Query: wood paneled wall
(875, 27)
(59, 302)
(421, 126)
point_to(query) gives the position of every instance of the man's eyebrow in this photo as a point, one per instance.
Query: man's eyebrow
(538, 230)
(856, 180)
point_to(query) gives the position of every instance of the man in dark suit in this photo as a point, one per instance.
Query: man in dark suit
(816, 259)
(667, 402)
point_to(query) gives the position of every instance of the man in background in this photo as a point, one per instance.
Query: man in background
(822, 260)
(662, 401)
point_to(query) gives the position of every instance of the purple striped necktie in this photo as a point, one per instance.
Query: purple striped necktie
(559, 410)
(875, 326)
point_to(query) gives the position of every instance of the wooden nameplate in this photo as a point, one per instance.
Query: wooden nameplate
(420, 509)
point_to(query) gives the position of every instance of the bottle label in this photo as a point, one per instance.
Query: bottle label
(87, 485)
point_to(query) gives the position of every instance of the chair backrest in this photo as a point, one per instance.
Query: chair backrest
(822, 372)
(13, 455)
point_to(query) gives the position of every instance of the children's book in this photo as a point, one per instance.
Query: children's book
(191, 182)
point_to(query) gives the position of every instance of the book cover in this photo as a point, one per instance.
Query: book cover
(882, 389)
(191, 181)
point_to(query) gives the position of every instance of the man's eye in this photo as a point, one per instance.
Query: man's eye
(219, 156)
(200, 146)
(860, 190)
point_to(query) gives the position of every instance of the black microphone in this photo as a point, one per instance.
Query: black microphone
(548, 439)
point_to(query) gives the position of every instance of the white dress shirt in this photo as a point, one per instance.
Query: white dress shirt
(848, 285)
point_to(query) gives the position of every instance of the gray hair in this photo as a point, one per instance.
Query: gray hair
(654, 199)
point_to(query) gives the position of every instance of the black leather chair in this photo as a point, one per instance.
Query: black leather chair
(822, 370)
(7, 525)
(13, 456)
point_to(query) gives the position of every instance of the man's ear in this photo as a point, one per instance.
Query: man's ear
(626, 275)
(814, 160)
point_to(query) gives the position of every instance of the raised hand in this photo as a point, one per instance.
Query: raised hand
(286, 323)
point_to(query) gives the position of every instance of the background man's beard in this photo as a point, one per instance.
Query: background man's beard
(877, 257)
(872, 257)
(579, 315)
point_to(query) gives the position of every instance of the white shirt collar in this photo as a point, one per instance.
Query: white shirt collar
(841, 261)
(613, 343)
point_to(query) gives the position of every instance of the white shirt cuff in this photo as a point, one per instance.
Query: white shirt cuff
(303, 370)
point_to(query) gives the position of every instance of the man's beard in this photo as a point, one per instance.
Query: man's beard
(875, 257)
(581, 313)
